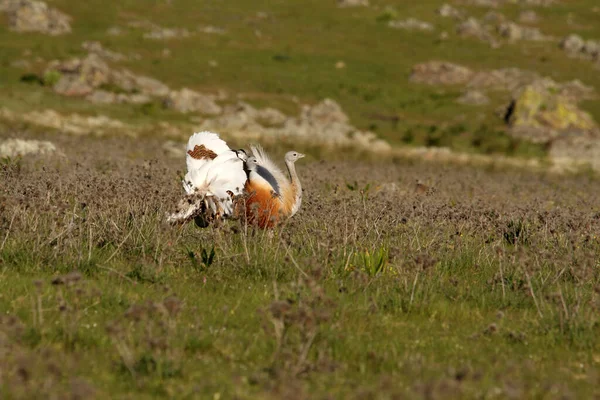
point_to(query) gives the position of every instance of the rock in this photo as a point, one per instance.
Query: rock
(18, 147)
(502, 79)
(440, 73)
(447, 11)
(513, 32)
(591, 49)
(79, 77)
(36, 16)
(186, 100)
(158, 33)
(102, 97)
(473, 97)
(340, 65)
(473, 28)
(353, 3)
(106, 97)
(572, 44)
(539, 114)
(270, 117)
(528, 17)
(130, 82)
(577, 149)
(324, 122)
(325, 112)
(237, 117)
(96, 48)
(411, 24)
(211, 30)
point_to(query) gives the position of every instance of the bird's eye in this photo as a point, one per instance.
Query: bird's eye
(295, 154)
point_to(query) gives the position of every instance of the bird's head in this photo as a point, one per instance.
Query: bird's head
(252, 163)
(293, 156)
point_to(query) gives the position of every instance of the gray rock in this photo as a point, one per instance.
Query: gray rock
(79, 77)
(572, 44)
(474, 98)
(514, 32)
(270, 117)
(160, 33)
(35, 16)
(447, 11)
(186, 100)
(19, 147)
(353, 3)
(98, 49)
(591, 49)
(440, 73)
(473, 28)
(411, 24)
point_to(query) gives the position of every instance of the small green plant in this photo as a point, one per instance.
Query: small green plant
(51, 77)
(387, 15)
(373, 262)
(206, 259)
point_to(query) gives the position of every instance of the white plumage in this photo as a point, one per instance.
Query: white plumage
(221, 182)
(215, 175)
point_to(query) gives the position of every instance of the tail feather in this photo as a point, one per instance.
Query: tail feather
(215, 177)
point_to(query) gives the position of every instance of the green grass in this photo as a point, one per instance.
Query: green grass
(478, 289)
(487, 286)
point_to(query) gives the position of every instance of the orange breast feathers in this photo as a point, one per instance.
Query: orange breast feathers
(263, 206)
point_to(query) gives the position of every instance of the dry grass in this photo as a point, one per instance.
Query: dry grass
(471, 283)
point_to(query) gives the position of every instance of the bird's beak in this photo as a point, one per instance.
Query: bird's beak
(300, 155)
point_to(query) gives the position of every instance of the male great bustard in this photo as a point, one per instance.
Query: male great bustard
(222, 183)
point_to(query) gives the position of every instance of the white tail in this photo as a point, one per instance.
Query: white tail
(215, 175)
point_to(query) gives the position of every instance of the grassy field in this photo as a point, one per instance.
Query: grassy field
(397, 279)
(484, 285)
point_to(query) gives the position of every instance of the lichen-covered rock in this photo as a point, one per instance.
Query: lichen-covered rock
(539, 114)
(35, 16)
(19, 147)
(186, 100)
(440, 73)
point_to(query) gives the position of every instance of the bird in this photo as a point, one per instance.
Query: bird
(270, 194)
(223, 183)
(215, 178)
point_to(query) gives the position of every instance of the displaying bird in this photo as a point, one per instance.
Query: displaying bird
(270, 194)
(215, 178)
(223, 183)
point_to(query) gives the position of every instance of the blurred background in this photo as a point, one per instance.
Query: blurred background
(514, 78)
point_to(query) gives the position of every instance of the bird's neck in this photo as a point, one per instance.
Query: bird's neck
(295, 186)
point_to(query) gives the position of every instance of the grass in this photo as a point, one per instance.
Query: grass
(485, 286)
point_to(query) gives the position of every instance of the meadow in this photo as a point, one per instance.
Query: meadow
(471, 284)
(399, 277)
